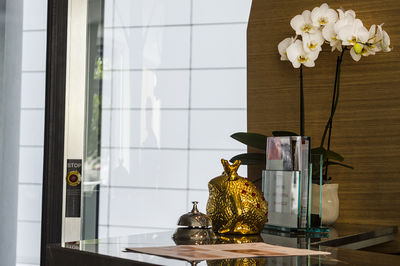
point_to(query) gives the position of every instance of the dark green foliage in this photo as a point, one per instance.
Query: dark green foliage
(250, 158)
(254, 140)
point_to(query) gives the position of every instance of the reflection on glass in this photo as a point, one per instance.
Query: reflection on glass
(165, 92)
(92, 154)
(282, 192)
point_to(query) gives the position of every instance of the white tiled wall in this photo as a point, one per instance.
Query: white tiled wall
(32, 127)
(150, 89)
(174, 90)
(28, 242)
(151, 47)
(32, 92)
(29, 202)
(151, 12)
(31, 131)
(146, 207)
(211, 129)
(219, 88)
(155, 168)
(35, 15)
(152, 128)
(219, 46)
(206, 164)
(33, 54)
(30, 165)
(220, 11)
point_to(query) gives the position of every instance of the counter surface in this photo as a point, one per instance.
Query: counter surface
(112, 250)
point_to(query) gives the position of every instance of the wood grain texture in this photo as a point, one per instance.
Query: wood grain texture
(366, 127)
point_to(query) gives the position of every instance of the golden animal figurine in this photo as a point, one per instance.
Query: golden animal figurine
(235, 205)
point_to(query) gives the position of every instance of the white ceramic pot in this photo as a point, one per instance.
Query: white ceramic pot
(330, 202)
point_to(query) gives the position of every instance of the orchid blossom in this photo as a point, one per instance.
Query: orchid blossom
(303, 23)
(351, 34)
(385, 40)
(323, 15)
(283, 45)
(298, 56)
(355, 35)
(329, 34)
(340, 29)
(312, 42)
(345, 19)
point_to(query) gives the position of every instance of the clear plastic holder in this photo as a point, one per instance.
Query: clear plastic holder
(293, 204)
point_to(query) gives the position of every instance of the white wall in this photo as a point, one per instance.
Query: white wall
(174, 90)
(31, 131)
(10, 82)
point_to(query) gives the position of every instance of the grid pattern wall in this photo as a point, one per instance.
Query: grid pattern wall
(174, 90)
(31, 131)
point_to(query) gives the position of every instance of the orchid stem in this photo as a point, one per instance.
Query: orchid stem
(301, 102)
(335, 100)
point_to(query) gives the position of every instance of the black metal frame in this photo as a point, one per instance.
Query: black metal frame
(52, 195)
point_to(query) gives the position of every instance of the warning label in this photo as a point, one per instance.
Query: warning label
(73, 193)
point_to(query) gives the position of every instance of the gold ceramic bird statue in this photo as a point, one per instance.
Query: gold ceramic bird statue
(235, 205)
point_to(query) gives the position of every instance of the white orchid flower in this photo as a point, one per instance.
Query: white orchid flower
(368, 48)
(312, 42)
(329, 34)
(378, 40)
(359, 50)
(363, 49)
(373, 40)
(356, 52)
(345, 19)
(323, 15)
(302, 23)
(385, 40)
(351, 34)
(343, 14)
(283, 45)
(297, 55)
(372, 46)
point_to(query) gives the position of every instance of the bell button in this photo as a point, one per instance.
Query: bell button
(74, 178)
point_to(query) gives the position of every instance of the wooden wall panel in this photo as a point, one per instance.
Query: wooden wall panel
(366, 129)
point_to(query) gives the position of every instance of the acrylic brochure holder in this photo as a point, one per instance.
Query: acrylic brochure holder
(290, 203)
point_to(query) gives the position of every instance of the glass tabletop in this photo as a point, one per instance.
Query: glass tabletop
(342, 233)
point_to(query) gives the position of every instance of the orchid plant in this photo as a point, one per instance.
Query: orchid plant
(342, 31)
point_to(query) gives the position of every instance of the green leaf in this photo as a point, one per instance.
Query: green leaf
(283, 133)
(250, 158)
(254, 140)
(340, 164)
(334, 156)
(331, 155)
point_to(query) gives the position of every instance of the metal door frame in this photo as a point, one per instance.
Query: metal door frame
(53, 161)
(75, 104)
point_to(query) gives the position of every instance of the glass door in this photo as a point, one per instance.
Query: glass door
(155, 88)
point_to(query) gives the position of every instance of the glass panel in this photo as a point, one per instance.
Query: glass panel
(92, 149)
(166, 89)
(282, 192)
(22, 95)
